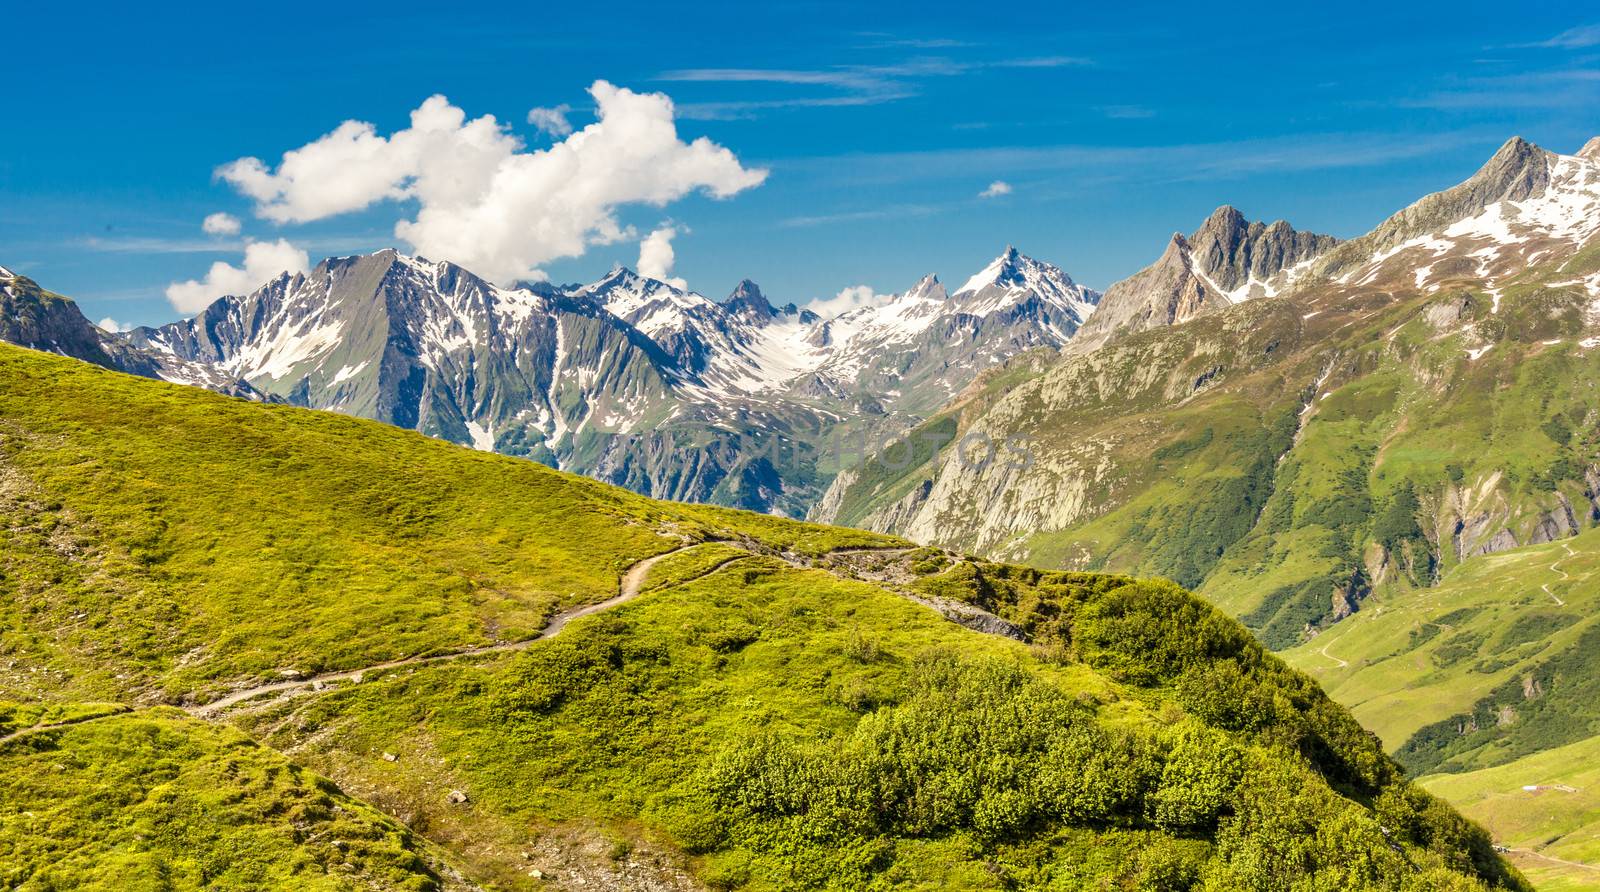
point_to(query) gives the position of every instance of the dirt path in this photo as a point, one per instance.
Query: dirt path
(1343, 664)
(34, 729)
(1556, 567)
(1554, 860)
(628, 589)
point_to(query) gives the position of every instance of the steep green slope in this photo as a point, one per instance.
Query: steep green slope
(161, 801)
(166, 542)
(772, 710)
(1486, 683)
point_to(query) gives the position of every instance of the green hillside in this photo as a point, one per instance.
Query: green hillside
(773, 708)
(1485, 683)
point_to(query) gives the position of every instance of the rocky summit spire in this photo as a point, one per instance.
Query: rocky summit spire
(748, 301)
(1232, 251)
(1591, 150)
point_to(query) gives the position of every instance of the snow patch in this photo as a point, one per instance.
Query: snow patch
(482, 437)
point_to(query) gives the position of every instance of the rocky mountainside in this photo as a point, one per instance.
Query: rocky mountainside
(629, 379)
(1407, 400)
(43, 320)
(1229, 259)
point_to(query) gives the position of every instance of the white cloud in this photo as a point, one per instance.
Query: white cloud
(996, 189)
(656, 257)
(221, 224)
(263, 262)
(485, 203)
(551, 120)
(1577, 38)
(110, 324)
(848, 299)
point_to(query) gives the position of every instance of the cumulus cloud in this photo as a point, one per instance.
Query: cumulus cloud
(484, 202)
(221, 224)
(552, 121)
(110, 324)
(263, 262)
(848, 299)
(996, 189)
(656, 257)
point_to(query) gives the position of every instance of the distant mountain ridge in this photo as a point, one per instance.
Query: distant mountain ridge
(627, 378)
(1180, 368)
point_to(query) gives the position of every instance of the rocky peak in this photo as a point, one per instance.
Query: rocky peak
(1226, 224)
(1591, 150)
(1232, 251)
(1519, 169)
(748, 302)
(928, 288)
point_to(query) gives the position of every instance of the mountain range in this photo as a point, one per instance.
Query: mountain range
(627, 379)
(1385, 462)
(1380, 454)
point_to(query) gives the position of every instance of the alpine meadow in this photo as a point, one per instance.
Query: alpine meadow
(409, 521)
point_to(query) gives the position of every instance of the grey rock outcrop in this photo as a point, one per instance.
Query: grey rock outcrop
(1227, 259)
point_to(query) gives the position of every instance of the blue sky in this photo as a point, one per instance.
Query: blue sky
(879, 125)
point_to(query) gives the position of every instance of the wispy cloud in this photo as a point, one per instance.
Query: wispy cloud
(857, 85)
(1127, 112)
(159, 245)
(1557, 88)
(887, 213)
(328, 245)
(996, 189)
(1571, 39)
(879, 41)
(1159, 163)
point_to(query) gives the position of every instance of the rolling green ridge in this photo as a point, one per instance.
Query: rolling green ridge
(774, 709)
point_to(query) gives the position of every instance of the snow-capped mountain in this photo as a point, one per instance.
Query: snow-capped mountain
(431, 346)
(627, 378)
(1524, 207)
(1488, 288)
(922, 346)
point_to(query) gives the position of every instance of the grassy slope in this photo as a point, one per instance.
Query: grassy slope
(1422, 655)
(165, 541)
(161, 801)
(1429, 657)
(787, 726)
(1560, 820)
(821, 697)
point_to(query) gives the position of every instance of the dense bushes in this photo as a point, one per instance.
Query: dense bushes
(985, 748)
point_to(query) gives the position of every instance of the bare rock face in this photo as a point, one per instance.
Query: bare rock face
(1227, 260)
(897, 516)
(1348, 597)
(1557, 523)
(1232, 251)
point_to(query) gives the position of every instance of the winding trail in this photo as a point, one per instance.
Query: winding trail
(630, 586)
(1343, 664)
(34, 729)
(1555, 567)
(627, 589)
